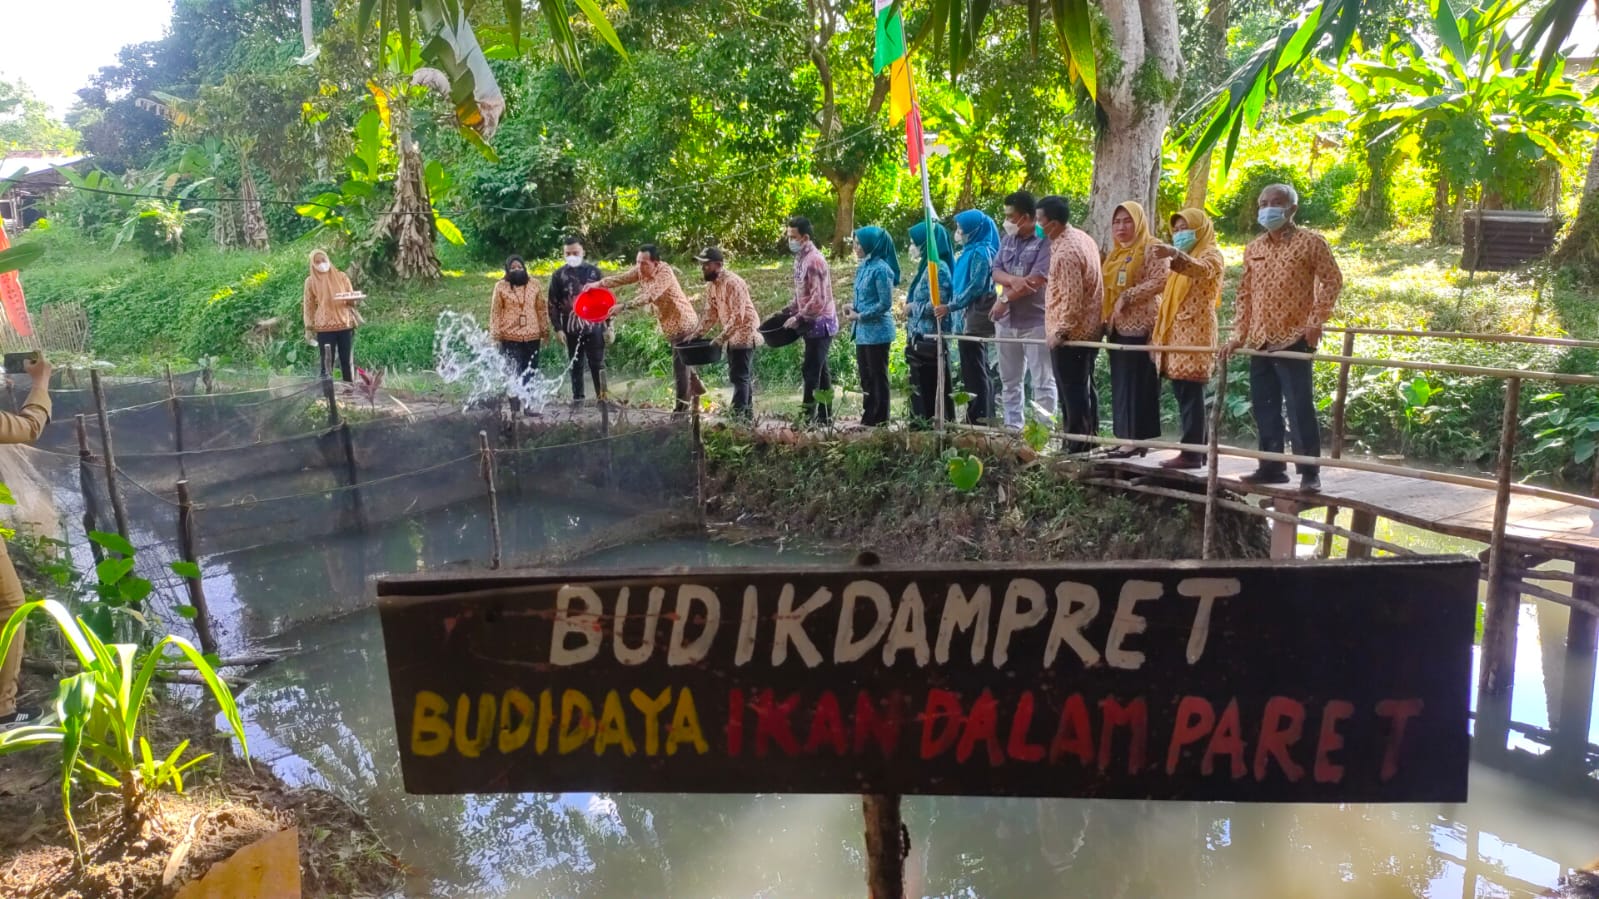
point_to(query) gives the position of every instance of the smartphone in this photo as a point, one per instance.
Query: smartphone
(16, 363)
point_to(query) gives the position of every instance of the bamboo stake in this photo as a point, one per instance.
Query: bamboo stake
(1499, 619)
(1340, 401)
(699, 465)
(113, 489)
(86, 486)
(494, 498)
(186, 548)
(1213, 462)
(176, 409)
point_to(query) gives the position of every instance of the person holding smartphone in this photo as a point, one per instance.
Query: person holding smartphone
(19, 427)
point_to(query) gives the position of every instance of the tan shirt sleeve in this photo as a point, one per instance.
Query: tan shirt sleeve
(308, 306)
(27, 425)
(1329, 283)
(621, 279)
(497, 310)
(541, 305)
(1245, 299)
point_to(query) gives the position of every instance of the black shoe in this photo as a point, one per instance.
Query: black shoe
(1265, 476)
(1310, 483)
(22, 717)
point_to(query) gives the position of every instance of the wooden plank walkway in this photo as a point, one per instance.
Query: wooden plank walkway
(1544, 528)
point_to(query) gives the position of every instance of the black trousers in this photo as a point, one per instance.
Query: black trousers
(343, 343)
(585, 347)
(921, 355)
(524, 354)
(741, 371)
(816, 377)
(977, 379)
(1191, 410)
(871, 360)
(1272, 382)
(1134, 392)
(1079, 403)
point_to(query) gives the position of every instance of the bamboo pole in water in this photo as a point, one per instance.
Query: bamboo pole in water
(113, 489)
(1499, 618)
(186, 548)
(494, 498)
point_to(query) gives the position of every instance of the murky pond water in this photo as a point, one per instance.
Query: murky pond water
(323, 717)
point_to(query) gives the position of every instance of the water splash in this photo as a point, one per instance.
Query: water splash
(464, 353)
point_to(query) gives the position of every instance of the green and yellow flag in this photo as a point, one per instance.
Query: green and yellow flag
(890, 58)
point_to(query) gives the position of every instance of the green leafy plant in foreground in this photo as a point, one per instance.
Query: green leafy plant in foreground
(964, 469)
(98, 726)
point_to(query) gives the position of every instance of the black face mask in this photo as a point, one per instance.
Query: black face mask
(517, 278)
(710, 274)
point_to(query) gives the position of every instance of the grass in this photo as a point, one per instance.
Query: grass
(206, 303)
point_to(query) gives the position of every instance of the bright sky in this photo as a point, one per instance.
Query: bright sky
(55, 45)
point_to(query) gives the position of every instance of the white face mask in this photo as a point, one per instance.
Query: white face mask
(324, 267)
(574, 260)
(960, 237)
(1011, 228)
(916, 253)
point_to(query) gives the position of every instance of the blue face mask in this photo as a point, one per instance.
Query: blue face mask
(1272, 217)
(1184, 240)
(794, 246)
(1038, 231)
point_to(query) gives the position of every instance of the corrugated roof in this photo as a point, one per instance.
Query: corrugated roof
(18, 165)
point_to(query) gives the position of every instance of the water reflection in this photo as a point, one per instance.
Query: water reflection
(325, 718)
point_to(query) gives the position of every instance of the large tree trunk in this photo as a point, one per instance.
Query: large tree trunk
(410, 222)
(1441, 210)
(1374, 206)
(844, 223)
(1580, 248)
(1136, 98)
(306, 32)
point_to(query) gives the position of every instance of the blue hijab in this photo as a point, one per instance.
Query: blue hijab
(876, 243)
(982, 238)
(940, 240)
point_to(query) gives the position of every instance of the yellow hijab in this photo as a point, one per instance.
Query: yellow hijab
(1125, 262)
(1178, 285)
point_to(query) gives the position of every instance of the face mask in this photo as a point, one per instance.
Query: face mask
(794, 246)
(960, 237)
(517, 278)
(324, 267)
(574, 260)
(1038, 232)
(916, 253)
(1184, 240)
(1011, 228)
(709, 274)
(1272, 217)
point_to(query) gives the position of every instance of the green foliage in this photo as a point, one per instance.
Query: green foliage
(26, 122)
(100, 729)
(963, 469)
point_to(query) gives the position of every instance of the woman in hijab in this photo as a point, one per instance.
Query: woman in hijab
(1187, 317)
(519, 319)
(924, 351)
(330, 319)
(974, 299)
(876, 276)
(1134, 279)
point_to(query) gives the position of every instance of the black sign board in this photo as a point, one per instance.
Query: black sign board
(1309, 682)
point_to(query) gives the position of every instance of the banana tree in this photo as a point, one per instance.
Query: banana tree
(453, 60)
(1477, 104)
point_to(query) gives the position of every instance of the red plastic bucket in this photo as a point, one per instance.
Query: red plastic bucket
(594, 305)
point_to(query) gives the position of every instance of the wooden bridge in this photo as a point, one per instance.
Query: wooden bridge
(1526, 527)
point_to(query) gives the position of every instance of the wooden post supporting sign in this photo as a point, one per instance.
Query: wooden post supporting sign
(91, 513)
(494, 498)
(1504, 601)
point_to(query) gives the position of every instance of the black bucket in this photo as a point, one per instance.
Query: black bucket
(775, 335)
(699, 352)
